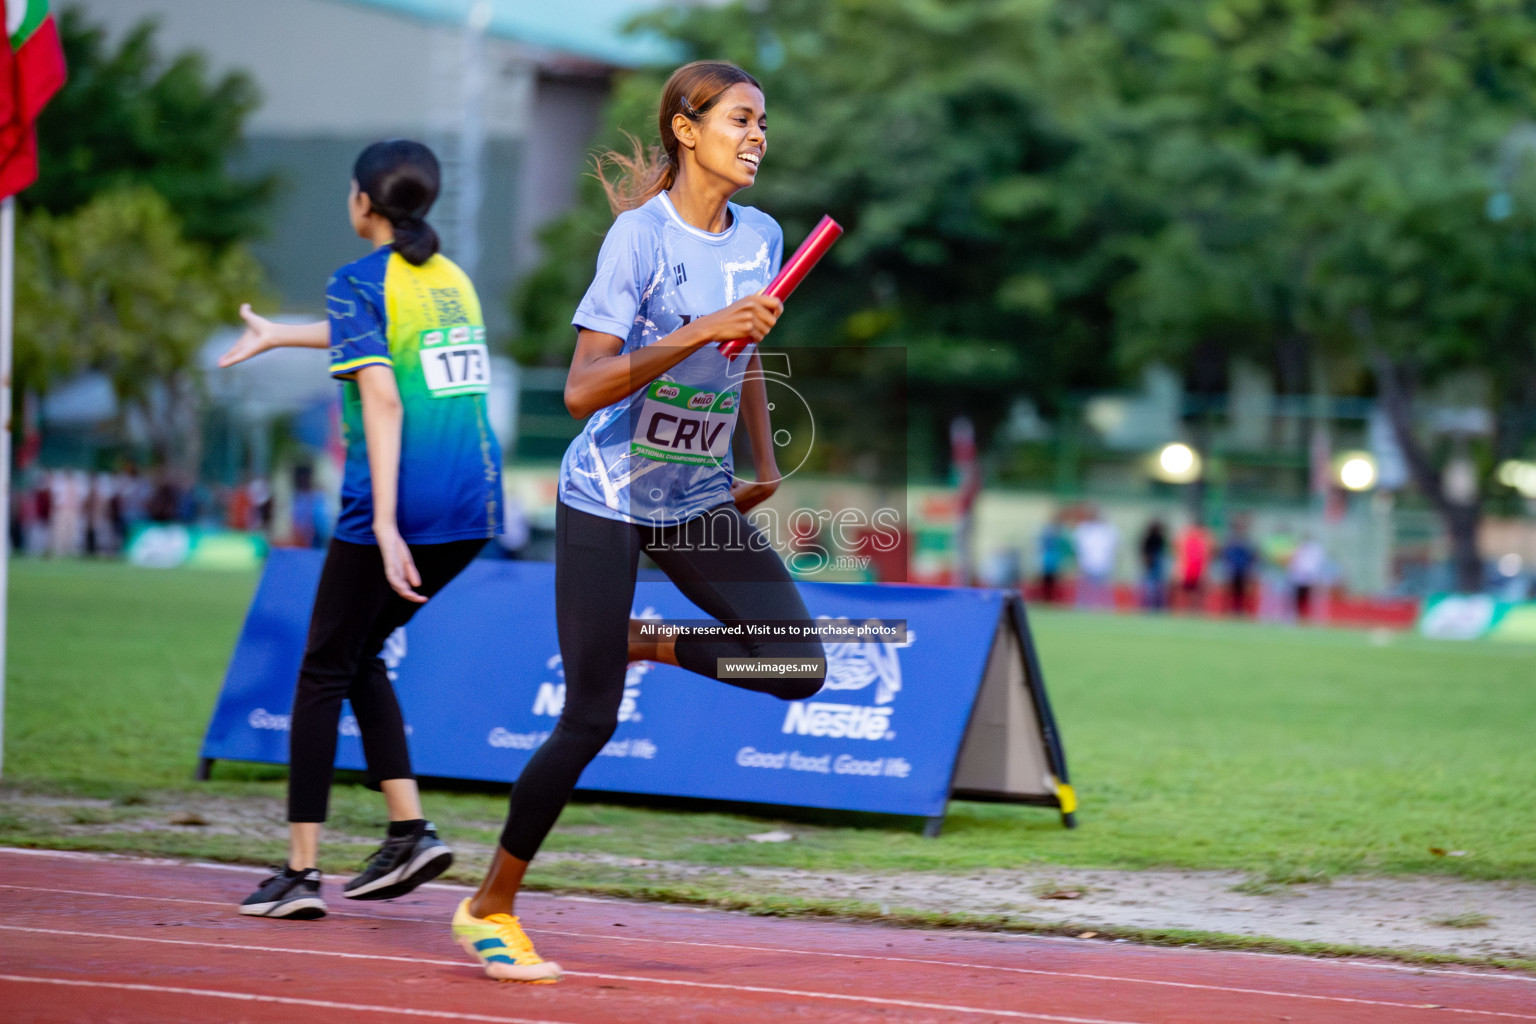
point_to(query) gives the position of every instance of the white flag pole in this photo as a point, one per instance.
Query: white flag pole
(7, 308)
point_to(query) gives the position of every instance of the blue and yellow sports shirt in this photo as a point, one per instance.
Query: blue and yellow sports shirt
(424, 323)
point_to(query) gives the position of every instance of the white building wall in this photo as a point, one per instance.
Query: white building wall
(335, 76)
(330, 68)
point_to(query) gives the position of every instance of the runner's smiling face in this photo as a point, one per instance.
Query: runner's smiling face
(730, 140)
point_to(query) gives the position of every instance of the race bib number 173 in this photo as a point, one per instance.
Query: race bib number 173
(455, 361)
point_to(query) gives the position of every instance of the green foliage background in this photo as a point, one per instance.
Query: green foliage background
(130, 245)
(116, 287)
(129, 117)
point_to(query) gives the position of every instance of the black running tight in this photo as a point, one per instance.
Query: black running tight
(719, 561)
(355, 611)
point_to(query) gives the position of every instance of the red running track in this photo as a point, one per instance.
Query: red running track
(112, 939)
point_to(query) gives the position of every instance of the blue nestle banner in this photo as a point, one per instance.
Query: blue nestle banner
(479, 678)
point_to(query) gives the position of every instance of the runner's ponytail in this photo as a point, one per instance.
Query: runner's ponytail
(401, 179)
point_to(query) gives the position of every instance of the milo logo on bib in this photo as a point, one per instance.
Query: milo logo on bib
(677, 423)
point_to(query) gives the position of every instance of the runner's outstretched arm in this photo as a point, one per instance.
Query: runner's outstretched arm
(262, 334)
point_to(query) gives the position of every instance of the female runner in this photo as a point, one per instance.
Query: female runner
(680, 270)
(420, 496)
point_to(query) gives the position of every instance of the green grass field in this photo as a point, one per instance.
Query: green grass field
(1290, 753)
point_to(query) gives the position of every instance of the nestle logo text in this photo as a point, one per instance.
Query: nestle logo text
(838, 721)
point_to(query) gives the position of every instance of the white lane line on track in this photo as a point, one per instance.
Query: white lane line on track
(1075, 975)
(116, 895)
(718, 986)
(323, 1004)
(226, 904)
(875, 1000)
(744, 988)
(118, 858)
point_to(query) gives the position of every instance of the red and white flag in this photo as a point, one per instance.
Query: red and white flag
(31, 71)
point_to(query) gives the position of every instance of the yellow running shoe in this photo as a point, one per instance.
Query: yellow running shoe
(501, 947)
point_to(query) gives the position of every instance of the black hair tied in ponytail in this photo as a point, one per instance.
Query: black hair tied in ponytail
(401, 180)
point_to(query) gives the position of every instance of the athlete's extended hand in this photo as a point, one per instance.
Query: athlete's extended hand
(749, 493)
(259, 336)
(399, 567)
(751, 318)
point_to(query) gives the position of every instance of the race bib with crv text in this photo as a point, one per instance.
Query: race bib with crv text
(678, 423)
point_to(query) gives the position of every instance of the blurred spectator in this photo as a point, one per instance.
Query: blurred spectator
(67, 490)
(1154, 566)
(1275, 599)
(260, 494)
(72, 512)
(887, 560)
(117, 508)
(1000, 568)
(164, 502)
(311, 522)
(238, 513)
(37, 509)
(514, 534)
(1308, 572)
(1240, 557)
(1194, 552)
(1054, 550)
(194, 503)
(133, 494)
(101, 536)
(1094, 543)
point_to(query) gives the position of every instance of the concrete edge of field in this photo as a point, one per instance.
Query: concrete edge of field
(853, 910)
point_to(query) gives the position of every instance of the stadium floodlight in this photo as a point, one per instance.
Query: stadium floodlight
(1520, 475)
(1176, 463)
(1357, 472)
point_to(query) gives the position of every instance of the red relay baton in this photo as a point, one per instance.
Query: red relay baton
(793, 272)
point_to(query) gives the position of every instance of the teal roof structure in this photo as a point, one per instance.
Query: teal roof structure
(586, 28)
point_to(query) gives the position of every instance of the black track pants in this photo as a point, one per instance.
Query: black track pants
(355, 611)
(719, 561)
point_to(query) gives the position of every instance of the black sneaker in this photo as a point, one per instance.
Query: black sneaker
(290, 896)
(400, 864)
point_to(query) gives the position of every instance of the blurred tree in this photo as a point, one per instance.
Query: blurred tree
(130, 246)
(45, 342)
(115, 287)
(545, 300)
(126, 117)
(1325, 170)
(1412, 280)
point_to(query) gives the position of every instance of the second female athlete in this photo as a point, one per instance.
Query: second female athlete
(680, 271)
(420, 497)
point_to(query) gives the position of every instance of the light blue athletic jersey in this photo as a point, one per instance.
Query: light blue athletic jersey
(663, 454)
